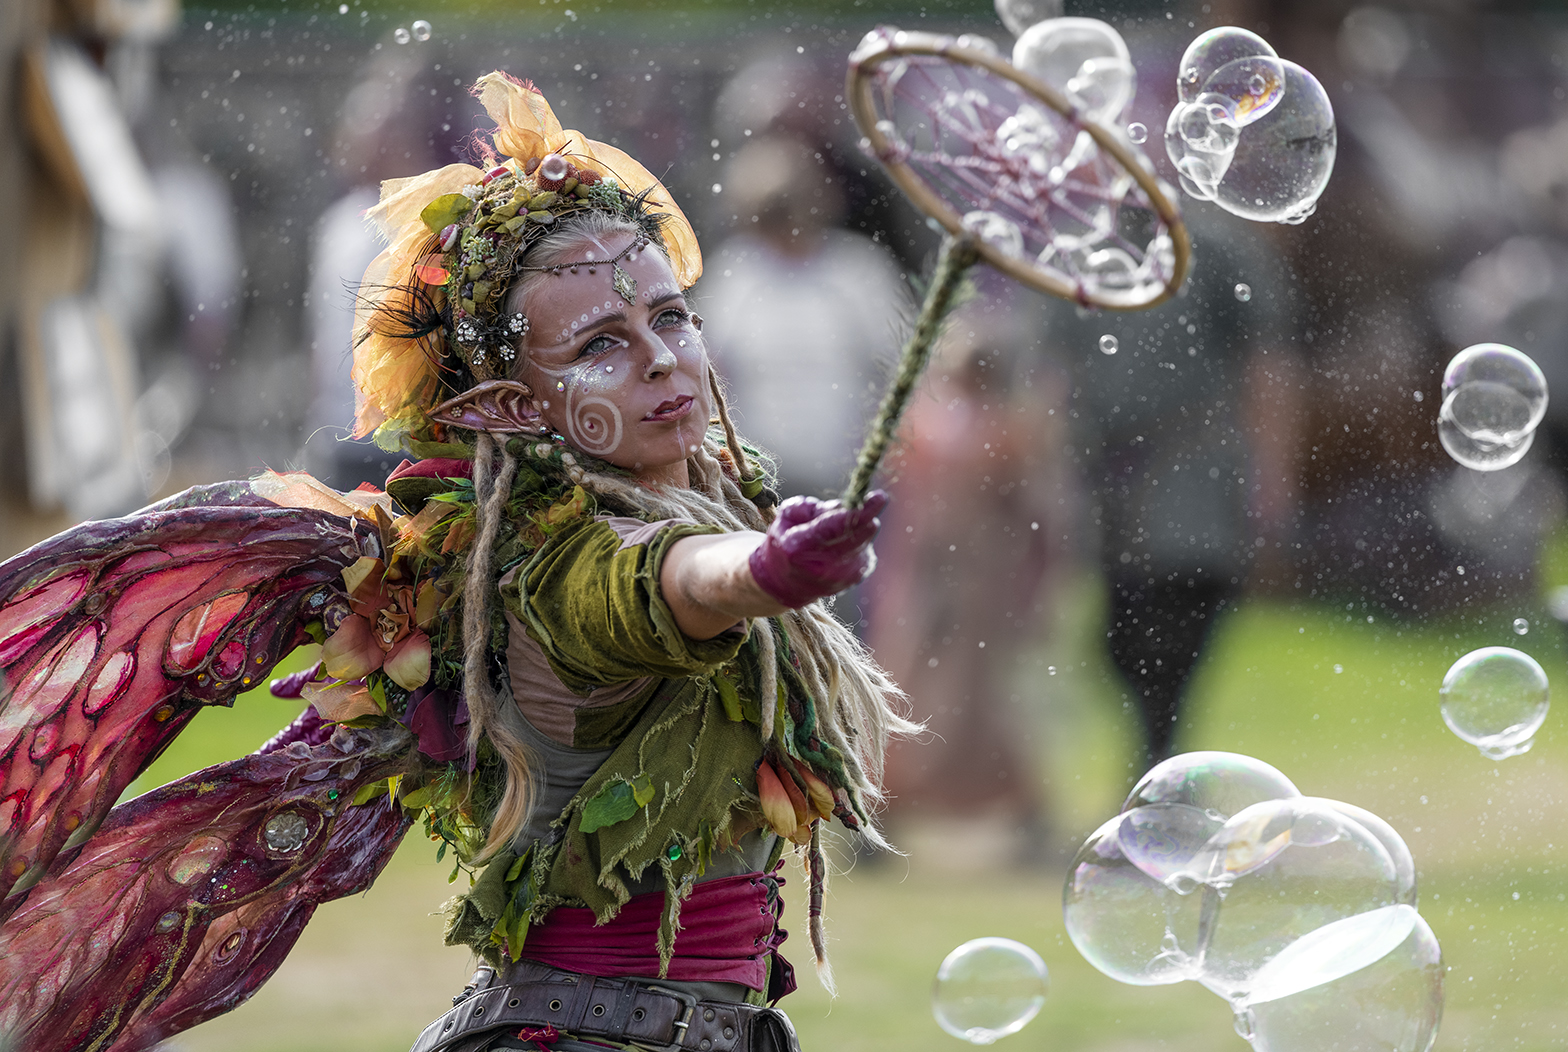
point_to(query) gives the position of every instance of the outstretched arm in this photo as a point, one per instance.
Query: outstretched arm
(814, 549)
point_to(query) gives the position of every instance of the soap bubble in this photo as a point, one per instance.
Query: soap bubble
(1161, 840)
(1393, 843)
(1467, 452)
(1494, 397)
(1283, 869)
(1521, 627)
(400, 34)
(1389, 1004)
(1243, 291)
(1019, 15)
(1083, 58)
(1131, 926)
(1200, 139)
(1109, 344)
(1496, 698)
(1220, 783)
(1249, 87)
(989, 988)
(997, 230)
(420, 29)
(1282, 160)
(1137, 133)
(1212, 50)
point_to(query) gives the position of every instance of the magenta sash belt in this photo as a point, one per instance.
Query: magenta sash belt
(729, 929)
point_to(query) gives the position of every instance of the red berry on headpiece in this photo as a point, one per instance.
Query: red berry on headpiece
(497, 171)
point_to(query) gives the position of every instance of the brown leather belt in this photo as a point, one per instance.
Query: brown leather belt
(622, 1010)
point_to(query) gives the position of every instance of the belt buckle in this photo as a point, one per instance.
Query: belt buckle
(680, 1025)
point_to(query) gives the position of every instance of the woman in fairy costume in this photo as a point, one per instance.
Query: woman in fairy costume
(574, 638)
(656, 702)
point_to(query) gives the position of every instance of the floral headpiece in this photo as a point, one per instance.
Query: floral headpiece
(455, 235)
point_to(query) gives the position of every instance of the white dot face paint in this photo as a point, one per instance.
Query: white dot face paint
(632, 378)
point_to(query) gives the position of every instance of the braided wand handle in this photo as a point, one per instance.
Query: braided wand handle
(958, 254)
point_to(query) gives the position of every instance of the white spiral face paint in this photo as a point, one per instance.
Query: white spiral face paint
(628, 381)
(592, 421)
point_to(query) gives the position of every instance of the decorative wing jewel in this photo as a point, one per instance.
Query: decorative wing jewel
(114, 634)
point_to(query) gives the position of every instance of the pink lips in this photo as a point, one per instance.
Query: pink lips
(674, 409)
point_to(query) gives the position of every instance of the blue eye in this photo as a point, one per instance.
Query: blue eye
(596, 346)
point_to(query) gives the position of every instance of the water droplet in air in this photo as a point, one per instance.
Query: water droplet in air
(1050, 670)
(400, 34)
(342, 9)
(1243, 291)
(420, 29)
(1521, 626)
(1496, 698)
(1338, 669)
(989, 988)
(1137, 133)
(1109, 344)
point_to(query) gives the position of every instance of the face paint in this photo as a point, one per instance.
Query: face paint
(630, 379)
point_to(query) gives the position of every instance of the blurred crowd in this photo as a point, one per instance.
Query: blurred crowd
(180, 203)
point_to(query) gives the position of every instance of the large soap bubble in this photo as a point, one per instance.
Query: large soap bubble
(1284, 869)
(1220, 783)
(1496, 698)
(1494, 397)
(1308, 999)
(1253, 133)
(1283, 159)
(1083, 58)
(989, 988)
(1128, 924)
(1019, 15)
(1393, 843)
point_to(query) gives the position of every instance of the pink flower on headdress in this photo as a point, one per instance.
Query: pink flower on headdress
(386, 630)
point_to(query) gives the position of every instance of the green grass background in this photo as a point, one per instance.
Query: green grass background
(1344, 701)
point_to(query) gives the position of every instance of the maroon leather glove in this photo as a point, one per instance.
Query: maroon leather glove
(817, 548)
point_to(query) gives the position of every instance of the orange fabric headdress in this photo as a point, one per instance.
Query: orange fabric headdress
(394, 375)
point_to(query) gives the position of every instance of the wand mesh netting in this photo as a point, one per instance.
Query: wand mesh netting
(1052, 202)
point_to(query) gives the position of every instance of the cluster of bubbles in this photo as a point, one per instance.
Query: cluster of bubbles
(1251, 132)
(989, 988)
(1299, 911)
(418, 30)
(1496, 698)
(1494, 397)
(1088, 63)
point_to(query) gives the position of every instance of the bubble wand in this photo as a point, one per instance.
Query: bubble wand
(1017, 177)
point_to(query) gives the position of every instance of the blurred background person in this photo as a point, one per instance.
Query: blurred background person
(800, 313)
(1157, 433)
(80, 216)
(387, 129)
(961, 587)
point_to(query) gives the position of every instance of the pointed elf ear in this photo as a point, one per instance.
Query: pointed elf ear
(501, 407)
